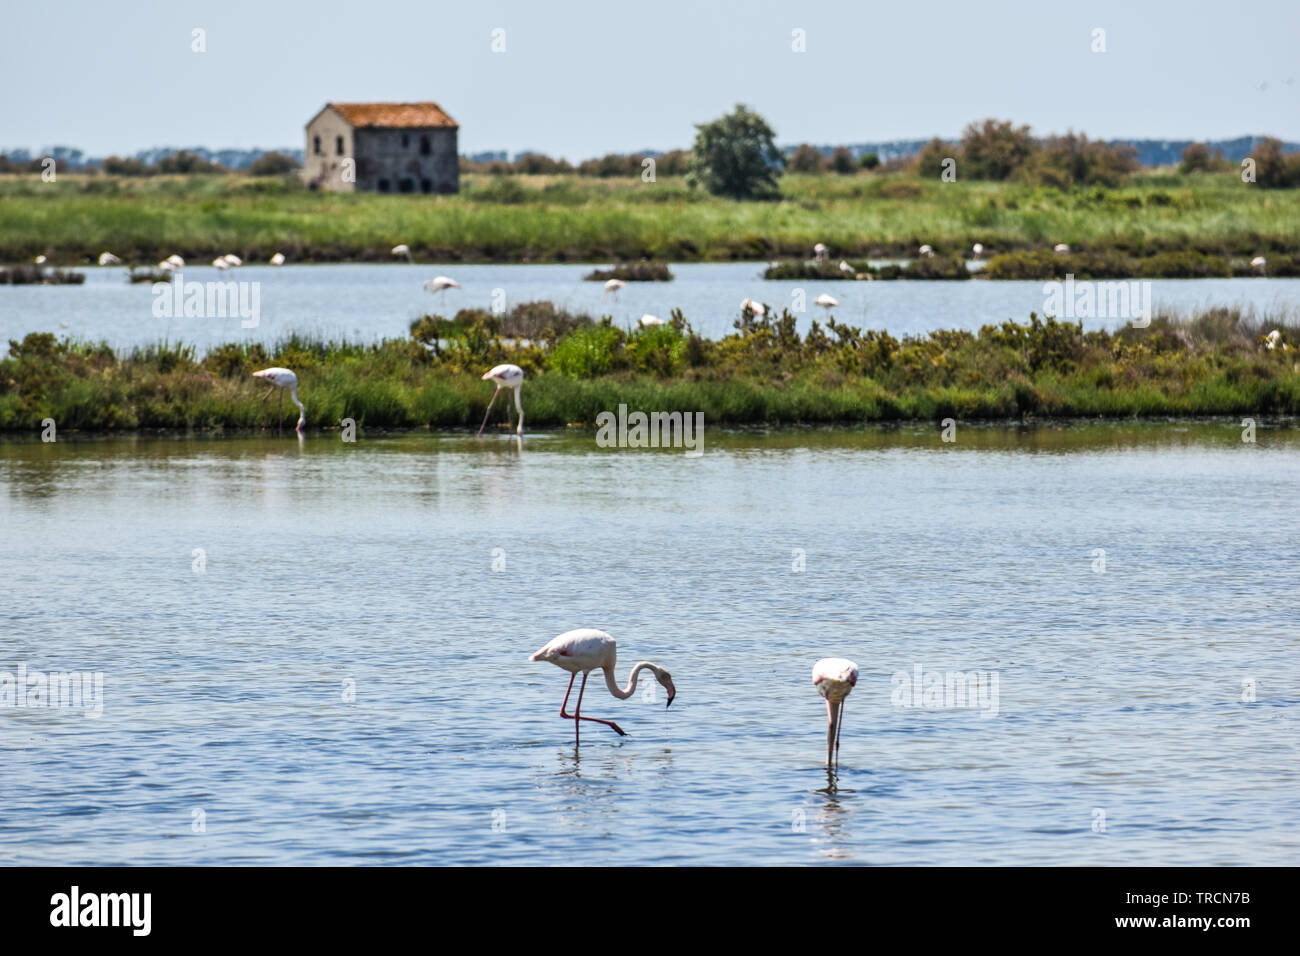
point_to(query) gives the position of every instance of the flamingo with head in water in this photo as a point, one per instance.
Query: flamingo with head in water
(834, 677)
(585, 650)
(282, 378)
(505, 376)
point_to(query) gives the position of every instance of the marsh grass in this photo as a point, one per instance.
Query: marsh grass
(588, 219)
(1215, 363)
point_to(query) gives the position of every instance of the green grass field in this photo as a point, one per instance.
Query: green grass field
(1216, 364)
(575, 218)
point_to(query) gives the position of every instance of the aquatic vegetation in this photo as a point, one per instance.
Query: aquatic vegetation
(633, 272)
(39, 275)
(1216, 363)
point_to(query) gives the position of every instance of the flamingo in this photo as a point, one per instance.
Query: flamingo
(755, 307)
(277, 259)
(834, 677)
(39, 260)
(232, 259)
(825, 301)
(1258, 264)
(220, 263)
(612, 287)
(403, 250)
(586, 650)
(978, 249)
(1271, 340)
(847, 269)
(505, 376)
(441, 284)
(1060, 247)
(176, 261)
(926, 251)
(282, 378)
(819, 251)
(108, 259)
(649, 320)
(166, 266)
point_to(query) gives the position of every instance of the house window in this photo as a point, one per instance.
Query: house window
(315, 145)
(383, 185)
(426, 186)
(424, 148)
(338, 145)
(406, 185)
(406, 140)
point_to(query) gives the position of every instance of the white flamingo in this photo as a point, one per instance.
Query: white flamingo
(585, 650)
(39, 260)
(282, 379)
(176, 261)
(825, 301)
(977, 249)
(847, 269)
(819, 251)
(926, 251)
(505, 376)
(834, 677)
(440, 284)
(220, 263)
(277, 259)
(648, 320)
(1258, 264)
(1060, 247)
(1271, 340)
(167, 266)
(403, 250)
(612, 287)
(233, 259)
(755, 307)
(108, 259)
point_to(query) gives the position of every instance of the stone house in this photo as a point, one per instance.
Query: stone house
(382, 147)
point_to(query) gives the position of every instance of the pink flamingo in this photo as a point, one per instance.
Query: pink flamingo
(282, 378)
(585, 650)
(506, 376)
(834, 677)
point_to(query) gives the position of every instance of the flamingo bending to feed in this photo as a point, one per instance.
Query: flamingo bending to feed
(220, 263)
(1060, 247)
(282, 378)
(505, 376)
(176, 261)
(585, 650)
(825, 301)
(926, 251)
(755, 307)
(834, 677)
(612, 287)
(403, 250)
(277, 259)
(649, 320)
(819, 251)
(1258, 264)
(232, 259)
(108, 259)
(39, 260)
(846, 268)
(441, 284)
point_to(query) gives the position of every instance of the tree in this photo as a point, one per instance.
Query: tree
(869, 161)
(842, 161)
(272, 164)
(735, 156)
(994, 150)
(1273, 168)
(806, 159)
(186, 162)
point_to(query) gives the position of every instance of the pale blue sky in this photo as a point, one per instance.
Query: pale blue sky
(584, 78)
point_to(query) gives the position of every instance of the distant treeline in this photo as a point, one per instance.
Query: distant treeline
(182, 162)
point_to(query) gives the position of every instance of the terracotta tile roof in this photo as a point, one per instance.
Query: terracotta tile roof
(394, 115)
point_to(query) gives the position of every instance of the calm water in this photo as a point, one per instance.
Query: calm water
(1119, 692)
(366, 302)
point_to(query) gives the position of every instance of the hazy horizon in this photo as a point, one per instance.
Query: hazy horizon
(596, 81)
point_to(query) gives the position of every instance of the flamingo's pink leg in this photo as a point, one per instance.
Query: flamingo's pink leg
(264, 398)
(566, 696)
(487, 413)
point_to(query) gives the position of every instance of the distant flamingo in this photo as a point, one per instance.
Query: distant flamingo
(1060, 247)
(834, 677)
(220, 263)
(585, 650)
(232, 259)
(847, 269)
(755, 307)
(167, 266)
(176, 261)
(108, 259)
(977, 249)
(505, 376)
(825, 301)
(439, 284)
(277, 259)
(1258, 264)
(282, 378)
(403, 250)
(612, 287)
(926, 251)
(819, 251)
(648, 320)
(39, 260)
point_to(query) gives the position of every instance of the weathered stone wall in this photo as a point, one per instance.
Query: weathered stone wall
(396, 160)
(324, 170)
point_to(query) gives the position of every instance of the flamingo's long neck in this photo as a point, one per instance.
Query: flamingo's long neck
(302, 410)
(625, 693)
